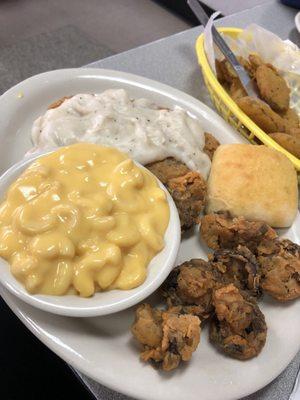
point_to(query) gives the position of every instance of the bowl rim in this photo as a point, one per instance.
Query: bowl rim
(172, 238)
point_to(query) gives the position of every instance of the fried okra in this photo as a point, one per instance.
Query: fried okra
(272, 88)
(238, 327)
(280, 269)
(221, 231)
(191, 285)
(167, 337)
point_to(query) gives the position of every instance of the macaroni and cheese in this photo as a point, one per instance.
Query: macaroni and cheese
(84, 217)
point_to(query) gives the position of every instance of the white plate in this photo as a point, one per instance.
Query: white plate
(102, 347)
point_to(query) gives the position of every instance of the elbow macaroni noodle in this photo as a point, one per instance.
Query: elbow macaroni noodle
(84, 218)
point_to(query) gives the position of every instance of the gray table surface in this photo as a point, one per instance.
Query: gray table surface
(172, 61)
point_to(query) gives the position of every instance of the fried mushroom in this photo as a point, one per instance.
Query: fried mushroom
(238, 328)
(187, 188)
(167, 337)
(221, 231)
(280, 269)
(191, 285)
(238, 266)
(211, 144)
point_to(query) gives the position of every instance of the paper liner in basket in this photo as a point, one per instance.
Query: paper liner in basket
(283, 54)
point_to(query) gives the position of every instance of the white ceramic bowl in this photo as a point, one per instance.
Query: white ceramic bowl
(102, 303)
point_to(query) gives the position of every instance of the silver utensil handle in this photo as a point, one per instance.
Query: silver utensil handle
(220, 42)
(224, 48)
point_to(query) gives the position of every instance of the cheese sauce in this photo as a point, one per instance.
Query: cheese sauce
(136, 127)
(84, 217)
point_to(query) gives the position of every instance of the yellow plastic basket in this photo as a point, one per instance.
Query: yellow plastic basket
(228, 108)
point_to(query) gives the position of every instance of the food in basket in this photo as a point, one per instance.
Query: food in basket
(238, 327)
(167, 337)
(272, 88)
(289, 142)
(262, 114)
(255, 182)
(227, 76)
(273, 114)
(168, 142)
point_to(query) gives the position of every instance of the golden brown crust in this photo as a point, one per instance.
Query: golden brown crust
(189, 193)
(288, 142)
(238, 266)
(272, 88)
(261, 114)
(256, 182)
(59, 102)
(236, 90)
(187, 188)
(280, 266)
(191, 285)
(221, 231)
(290, 119)
(211, 144)
(239, 328)
(295, 132)
(167, 338)
(225, 72)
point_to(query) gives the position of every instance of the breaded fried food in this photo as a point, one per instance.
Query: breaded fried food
(221, 231)
(187, 188)
(272, 88)
(168, 169)
(225, 73)
(227, 76)
(247, 65)
(290, 119)
(59, 102)
(288, 142)
(255, 61)
(211, 144)
(167, 337)
(280, 269)
(236, 90)
(238, 328)
(261, 114)
(188, 192)
(238, 266)
(295, 132)
(191, 285)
